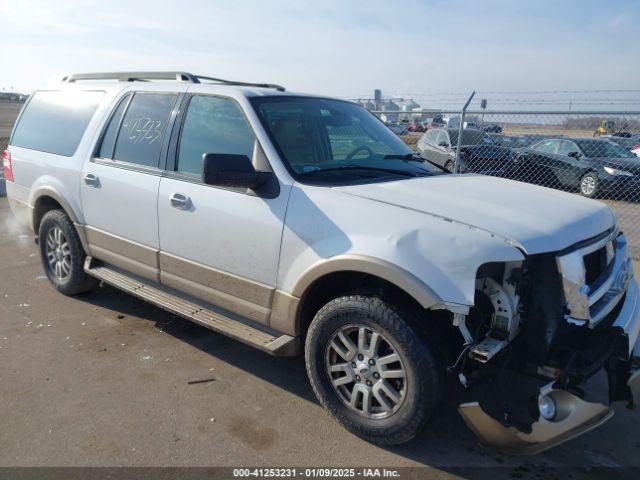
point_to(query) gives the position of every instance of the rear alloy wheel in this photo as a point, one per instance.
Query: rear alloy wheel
(58, 253)
(62, 254)
(373, 369)
(589, 184)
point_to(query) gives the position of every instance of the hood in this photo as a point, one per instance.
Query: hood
(537, 219)
(628, 164)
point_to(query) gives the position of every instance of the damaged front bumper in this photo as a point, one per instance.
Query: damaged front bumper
(575, 414)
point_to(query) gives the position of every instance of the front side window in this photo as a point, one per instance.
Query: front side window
(140, 136)
(212, 125)
(317, 136)
(55, 121)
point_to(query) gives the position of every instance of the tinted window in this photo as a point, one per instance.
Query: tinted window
(55, 122)
(140, 137)
(109, 139)
(567, 147)
(470, 137)
(546, 146)
(212, 125)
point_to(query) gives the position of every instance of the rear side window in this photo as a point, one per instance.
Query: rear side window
(140, 137)
(212, 125)
(54, 122)
(110, 135)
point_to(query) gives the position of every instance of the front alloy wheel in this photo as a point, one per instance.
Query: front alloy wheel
(373, 367)
(366, 371)
(589, 184)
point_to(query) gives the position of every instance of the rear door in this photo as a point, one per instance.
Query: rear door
(119, 185)
(219, 244)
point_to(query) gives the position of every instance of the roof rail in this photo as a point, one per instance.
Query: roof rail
(177, 76)
(133, 76)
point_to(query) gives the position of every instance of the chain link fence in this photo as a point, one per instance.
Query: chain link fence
(593, 154)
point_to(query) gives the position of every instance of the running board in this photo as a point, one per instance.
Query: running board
(278, 345)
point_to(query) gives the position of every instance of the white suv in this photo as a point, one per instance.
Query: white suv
(294, 222)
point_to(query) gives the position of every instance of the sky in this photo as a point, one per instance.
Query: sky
(333, 47)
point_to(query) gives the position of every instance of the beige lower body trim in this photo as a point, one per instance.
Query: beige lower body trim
(225, 282)
(236, 294)
(284, 313)
(131, 256)
(241, 296)
(216, 297)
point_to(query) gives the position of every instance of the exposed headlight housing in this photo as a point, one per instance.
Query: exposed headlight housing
(547, 407)
(617, 173)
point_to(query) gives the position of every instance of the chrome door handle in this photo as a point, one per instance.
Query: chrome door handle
(92, 180)
(180, 201)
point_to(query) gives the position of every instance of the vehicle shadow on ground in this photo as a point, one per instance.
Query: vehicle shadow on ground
(445, 437)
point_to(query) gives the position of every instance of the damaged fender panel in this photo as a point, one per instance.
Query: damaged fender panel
(443, 254)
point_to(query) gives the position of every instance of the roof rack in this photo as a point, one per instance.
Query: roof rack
(177, 76)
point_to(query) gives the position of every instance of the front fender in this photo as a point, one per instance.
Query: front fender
(433, 259)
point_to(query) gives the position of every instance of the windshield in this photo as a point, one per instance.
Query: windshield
(603, 148)
(470, 137)
(318, 136)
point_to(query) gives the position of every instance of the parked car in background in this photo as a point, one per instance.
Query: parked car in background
(536, 137)
(436, 122)
(591, 166)
(398, 128)
(511, 141)
(494, 128)
(415, 127)
(478, 153)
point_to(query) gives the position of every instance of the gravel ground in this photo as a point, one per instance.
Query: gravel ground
(104, 379)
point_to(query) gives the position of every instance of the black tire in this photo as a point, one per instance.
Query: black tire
(425, 380)
(76, 280)
(589, 185)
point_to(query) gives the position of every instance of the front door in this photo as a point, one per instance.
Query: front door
(119, 187)
(220, 245)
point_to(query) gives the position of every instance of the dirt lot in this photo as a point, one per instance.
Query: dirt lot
(104, 379)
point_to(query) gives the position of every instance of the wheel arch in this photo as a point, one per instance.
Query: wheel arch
(45, 199)
(348, 274)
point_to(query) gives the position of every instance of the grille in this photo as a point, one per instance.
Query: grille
(595, 264)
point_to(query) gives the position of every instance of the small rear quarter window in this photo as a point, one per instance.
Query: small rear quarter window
(55, 121)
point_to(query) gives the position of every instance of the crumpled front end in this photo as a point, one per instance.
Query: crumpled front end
(549, 346)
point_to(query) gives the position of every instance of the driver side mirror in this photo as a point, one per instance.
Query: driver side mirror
(443, 144)
(575, 155)
(229, 170)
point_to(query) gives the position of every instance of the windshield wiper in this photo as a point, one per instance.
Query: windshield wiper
(360, 167)
(414, 157)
